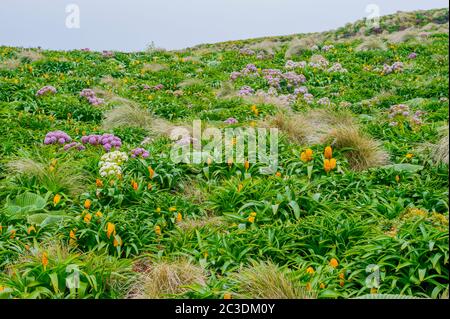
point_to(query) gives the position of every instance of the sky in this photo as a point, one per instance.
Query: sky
(131, 25)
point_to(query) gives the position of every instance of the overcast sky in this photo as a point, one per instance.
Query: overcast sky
(130, 25)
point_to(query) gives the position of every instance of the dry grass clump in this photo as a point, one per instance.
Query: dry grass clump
(153, 67)
(9, 64)
(268, 46)
(30, 55)
(294, 126)
(109, 80)
(265, 280)
(402, 36)
(126, 115)
(226, 91)
(297, 46)
(165, 279)
(441, 150)
(372, 43)
(190, 224)
(189, 82)
(361, 151)
(61, 177)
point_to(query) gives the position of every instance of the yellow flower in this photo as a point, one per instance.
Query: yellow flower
(209, 161)
(149, 186)
(255, 110)
(334, 263)
(322, 285)
(227, 295)
(158, 209)
(397, 178)
(98, 214)
(328, 153)
(240, 187)
(172, 209)
(72, 235)
(409, 156)
(179, 217)
(158, 230)
(56, 199)
(87, 203)
(373, 291)
(110, 229)
(44, 260)
(278, 174)
(13, 233)
(246, 165)
(251, 219)
(341, 275)
(306, 155)
(134, 185)
(30, 229)
(87, 218)
(310, 270)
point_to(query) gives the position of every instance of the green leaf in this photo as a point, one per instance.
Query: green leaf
(24, 204)
(411, 168)
(295, 208)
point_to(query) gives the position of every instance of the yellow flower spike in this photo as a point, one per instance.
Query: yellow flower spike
(134, 185)
(373, 291)
(72, 235)
(209, 161)
(328, 153)
(158, 230)
(158, 209)
(322, 285)
(149, 186)
(179, 217)
(56, 199)
(87, 203)
(44, 260)
(227, 296)
(409, 156)
(98, 214)
(310, 270)
(172, 209)
(240, 187)
(1, 229)
(246, 165)
(278, 174)
(397, 178)
(110, 229)
(87, 218)
(30, 229)
(333, 163)
(334, 263)
(12, 233)
(342, 275)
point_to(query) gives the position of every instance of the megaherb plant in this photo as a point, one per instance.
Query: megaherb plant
(92, 205)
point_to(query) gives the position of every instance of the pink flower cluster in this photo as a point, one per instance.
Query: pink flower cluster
(400, 112)
(324, 101)
(48, 89)
(108, 141)
(107, 54)
(327, 48)
(74, 145)
(412, 55)
(89, 94)
(246, 51)
(55, 137)
(337, 67)
(275, 78)
(246, 90)
(230, 120)
(291, 65)
(139, 152)
(396, 67)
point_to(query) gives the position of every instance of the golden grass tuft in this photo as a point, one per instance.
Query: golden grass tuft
(441, 150)
(372, 43)
(190, 224)
(189, 82)
(153, 67)
(165, 279)
(361, 151)
(298, 46)
(265, 280)
(9, 64)
(126, 115)
(30, 55)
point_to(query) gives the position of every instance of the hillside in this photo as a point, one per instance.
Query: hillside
(355, 205)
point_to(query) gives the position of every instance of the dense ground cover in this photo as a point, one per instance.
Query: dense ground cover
(358, 204)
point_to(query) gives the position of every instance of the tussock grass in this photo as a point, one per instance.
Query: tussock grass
(189, 82)
(9, 64)
(165, 279)
(153, 67)
(126, 115)
(65, 177)
(268, 46)
(29, 55)
(265, 280)
(361, 151)
(441, 150)
(372, 43)
(297, 46)
(190, 224)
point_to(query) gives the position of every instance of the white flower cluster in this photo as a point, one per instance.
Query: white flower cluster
(110, 163)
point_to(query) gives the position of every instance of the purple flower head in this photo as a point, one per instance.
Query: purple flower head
(245, 91)
(413, 55)
(89, 94)
(48, 89)
(108, 141)
(230, 120)
(139, 152)
(74, 145)
(107, 54)
(57, 137)
(301, 90)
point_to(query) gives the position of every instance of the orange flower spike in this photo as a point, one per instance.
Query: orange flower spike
(98, 214)
(278, 174)
(98, 183)
(158, 230)
(334, 263)
(134, 185)
(110, 229)
(56, 199)
(149, 186)
(246, 165)
(117, 241)
(328, 153)
(227, 296)
(87, 218)
(240, 187)
(310, 270)
(333, 163)
(179, 217)
(13, 233)
(72, 235)
(30, 229)
(87, 203)
(151, 172)
(307, 155)
(44, 260)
